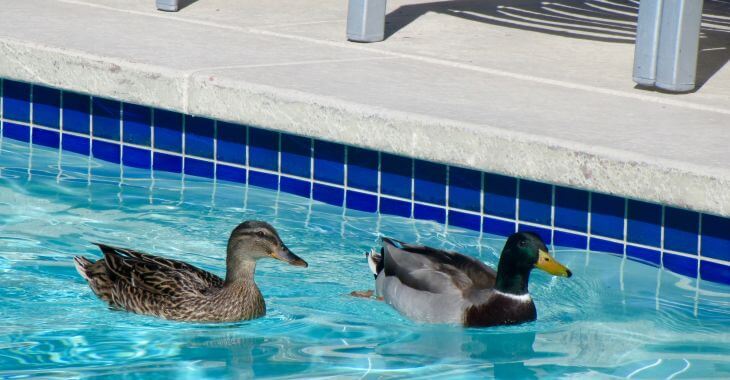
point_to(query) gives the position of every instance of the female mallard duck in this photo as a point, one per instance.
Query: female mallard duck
(171, 289)
(432, 285)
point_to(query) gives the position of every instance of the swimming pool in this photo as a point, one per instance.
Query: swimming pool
(615, 317)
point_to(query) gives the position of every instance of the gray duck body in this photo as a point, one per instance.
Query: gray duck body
(437, 286)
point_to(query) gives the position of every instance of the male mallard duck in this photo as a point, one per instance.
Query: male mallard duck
(432, 285)
(171, 289)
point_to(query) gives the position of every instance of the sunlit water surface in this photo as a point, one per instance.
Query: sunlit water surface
(613, 318)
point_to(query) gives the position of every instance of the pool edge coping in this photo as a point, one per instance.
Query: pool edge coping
(491, 149)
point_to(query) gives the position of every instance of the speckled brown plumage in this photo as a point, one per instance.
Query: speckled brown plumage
(146, 284)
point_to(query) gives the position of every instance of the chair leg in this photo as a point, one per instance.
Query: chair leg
(679, 45)
(366, 20)
(667, 42)
(168, 5)
(647, 42)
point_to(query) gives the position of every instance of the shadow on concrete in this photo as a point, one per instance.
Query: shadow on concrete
(610, 21)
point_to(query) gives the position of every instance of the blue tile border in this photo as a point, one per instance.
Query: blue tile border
(686, 242)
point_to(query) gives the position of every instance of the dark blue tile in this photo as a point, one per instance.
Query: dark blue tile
(571, 209)
(679, 264)
(644, 255)
(168, 130)
(464, 220)
(46, 138)
(681, 228)
(16, 131)
(106, 151)
(535, 202)
(296, 155)
(199, 134)
(566, 239)
(607, 216)
(329, 162)
(500, 195)
(395, 175)
(429, 213)
(105, 118)
(465, 189)
(395, 207)
(430, 182)
(167, 162)
(75, 144)
(230, 173)
(198, 168)
(136, 157)
(231, 143)
(46, 106)
(715, 272)
(362, 169)
(136, 122)
(644, 223)
(361, 201)
(328, 194)
(498, 227)
(16, 100)
(76, 112)
(263, 149)
(260, 179)
(600, 245)
(716, 237)
(295, 186)
(544, 233)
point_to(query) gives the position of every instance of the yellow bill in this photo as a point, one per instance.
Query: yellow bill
(552, 266)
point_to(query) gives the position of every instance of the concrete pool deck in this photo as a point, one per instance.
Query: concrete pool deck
(538, 90)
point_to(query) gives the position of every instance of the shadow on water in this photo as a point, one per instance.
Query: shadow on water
(609, 21)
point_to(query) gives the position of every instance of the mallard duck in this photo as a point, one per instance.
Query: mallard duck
(138, 282)
(437, 286)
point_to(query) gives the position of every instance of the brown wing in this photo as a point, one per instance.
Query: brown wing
(156, 274)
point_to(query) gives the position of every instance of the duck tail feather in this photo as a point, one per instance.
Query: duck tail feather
(375, 261)
(81, 263)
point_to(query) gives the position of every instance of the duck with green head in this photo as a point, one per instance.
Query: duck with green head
(437, 286)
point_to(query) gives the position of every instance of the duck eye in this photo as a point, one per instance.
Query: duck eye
(523, 243)
(260, 233)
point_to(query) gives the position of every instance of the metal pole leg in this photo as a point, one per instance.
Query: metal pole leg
(647, 42)
(366, 20)
(678, 45)
(168, 5)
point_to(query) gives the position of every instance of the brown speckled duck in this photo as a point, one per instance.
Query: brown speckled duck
(171, 289)
(437, 286)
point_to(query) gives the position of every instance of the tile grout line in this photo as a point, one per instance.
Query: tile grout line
(380, 183)
(625, 233)
(447, 209)
(661, 238)
(517, 204)
(552, 216)
(699, 266)
(482, 219)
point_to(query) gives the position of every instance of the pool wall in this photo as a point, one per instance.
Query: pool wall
(683, 241)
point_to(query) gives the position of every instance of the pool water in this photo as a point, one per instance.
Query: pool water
(613, 318)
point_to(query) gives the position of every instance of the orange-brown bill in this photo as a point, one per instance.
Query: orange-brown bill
(552, 266)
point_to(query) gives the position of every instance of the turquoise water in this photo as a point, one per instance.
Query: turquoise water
(613, 318)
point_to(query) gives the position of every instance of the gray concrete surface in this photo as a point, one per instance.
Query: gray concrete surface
(539, 90)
